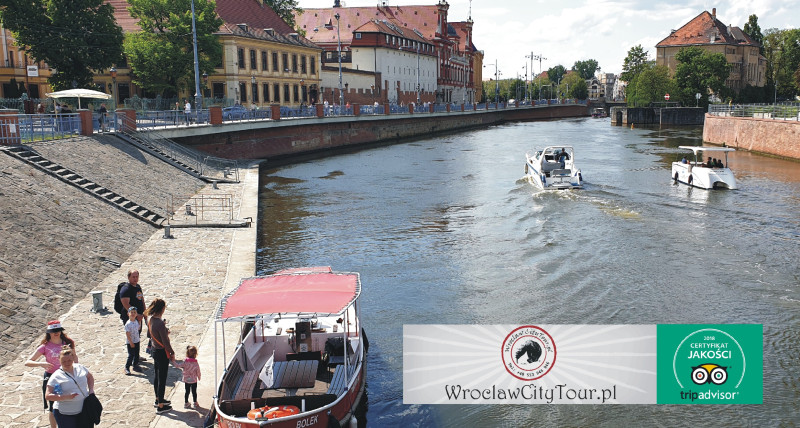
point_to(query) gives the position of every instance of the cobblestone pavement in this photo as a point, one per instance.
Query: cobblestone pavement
(190, 272)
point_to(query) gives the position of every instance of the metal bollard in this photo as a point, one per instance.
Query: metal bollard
(97, 302)
(189, 209)
(167, 235)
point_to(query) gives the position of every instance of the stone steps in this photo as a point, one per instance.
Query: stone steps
(88, 186)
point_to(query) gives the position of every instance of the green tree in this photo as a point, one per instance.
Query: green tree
(586, 68)
(161, 56)
(752, 29)
(286, 10)
(651, 85)
(574, 86)
(700, 72)
(556, 73)
(635, 62)
(73, 37)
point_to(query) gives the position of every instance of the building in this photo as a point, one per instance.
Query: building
(18, 68)
(748, 66)
(384, 39)
(619, 90)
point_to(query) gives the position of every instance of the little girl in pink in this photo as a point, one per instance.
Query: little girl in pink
(191, 374)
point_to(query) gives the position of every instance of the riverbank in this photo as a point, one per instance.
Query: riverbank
(767, 136)
(69, 242)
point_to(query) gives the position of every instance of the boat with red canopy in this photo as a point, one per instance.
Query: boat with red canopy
(300, 352)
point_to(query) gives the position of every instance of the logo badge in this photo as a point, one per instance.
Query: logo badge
(529, 352)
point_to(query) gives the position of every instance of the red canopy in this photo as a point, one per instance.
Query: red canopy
(320, 293)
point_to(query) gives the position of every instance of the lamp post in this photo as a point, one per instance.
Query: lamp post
(339, 44)
(537, 58)
(302, 91)
(526, 93)
(775, 75)
(114, 84)
(198, 98)
(205, 81)
(372, 91)
(253, 89)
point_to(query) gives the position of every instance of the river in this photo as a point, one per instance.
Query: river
(447, 231)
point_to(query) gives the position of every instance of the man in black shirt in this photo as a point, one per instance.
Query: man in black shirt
(131, 295)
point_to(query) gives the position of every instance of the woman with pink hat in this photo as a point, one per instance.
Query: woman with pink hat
(50, 348)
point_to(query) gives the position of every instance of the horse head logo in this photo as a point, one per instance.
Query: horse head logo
(533, 349)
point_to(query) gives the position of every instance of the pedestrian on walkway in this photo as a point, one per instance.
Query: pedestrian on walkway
(102, 112)
(132, 328)
(50, 348)
(131, 294)
(187, 110)
(68, 387)
(162, 351)
(191, 375)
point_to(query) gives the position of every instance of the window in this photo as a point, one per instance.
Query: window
(358, 35)
(313, 65)
(263, 60)
(276, 93)
(252, 59)
(265, 89)
(275, 62)
(243, 92)
(285, 64)
(255, 92)
(286, 95)
(241, 58)
(303, 64)
(218, 90)
(296, 90)
(294, 63)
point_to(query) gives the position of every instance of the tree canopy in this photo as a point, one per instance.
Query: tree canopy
(574, 86)
(161, 56)
(650, 85)
(286, 10)
(635, 62)
(752, 29)
(700, 72)
(74, 37)
(585, 69)
(556, 73)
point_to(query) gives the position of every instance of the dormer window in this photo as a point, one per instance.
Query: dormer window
(358, 35)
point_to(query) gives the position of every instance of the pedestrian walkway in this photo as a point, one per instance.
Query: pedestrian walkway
(191, 272)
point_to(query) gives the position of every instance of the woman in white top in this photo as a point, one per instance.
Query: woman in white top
(68, 387)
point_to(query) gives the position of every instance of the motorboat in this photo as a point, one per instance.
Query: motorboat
(712, 174)
(599, 112)
(299, 358)
(554, 168)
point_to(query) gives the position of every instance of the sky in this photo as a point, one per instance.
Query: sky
(565, 31)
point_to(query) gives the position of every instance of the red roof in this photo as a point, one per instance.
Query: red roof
(307, 292)
(706, 29)
(123, 17)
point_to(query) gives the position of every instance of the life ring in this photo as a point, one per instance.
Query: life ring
(272, 412)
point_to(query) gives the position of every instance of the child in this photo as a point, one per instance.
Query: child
(191, 374)
(132, 341)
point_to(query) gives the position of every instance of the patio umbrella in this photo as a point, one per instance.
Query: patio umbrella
(79, 93)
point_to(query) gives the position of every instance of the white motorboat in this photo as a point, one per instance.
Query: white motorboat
(554, 168)
(300, 354)
(712, 174)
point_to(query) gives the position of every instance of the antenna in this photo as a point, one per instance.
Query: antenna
(470, 9)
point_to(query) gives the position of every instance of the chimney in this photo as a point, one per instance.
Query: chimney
(714, 14)
(337, 3)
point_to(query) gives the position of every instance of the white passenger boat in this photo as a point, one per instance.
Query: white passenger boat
(554, 168)
(712, 174)
(300, 357)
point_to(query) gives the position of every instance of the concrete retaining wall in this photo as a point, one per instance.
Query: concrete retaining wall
(296, 137)
(57, 242)
(657, 116)
(774, 137)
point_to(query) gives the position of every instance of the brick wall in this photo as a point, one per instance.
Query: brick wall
(774, 137)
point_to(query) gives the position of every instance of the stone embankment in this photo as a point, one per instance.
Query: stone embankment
(768, 136)
(59, 243)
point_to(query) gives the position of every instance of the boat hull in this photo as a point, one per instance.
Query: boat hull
(703, 177)
(552, 181)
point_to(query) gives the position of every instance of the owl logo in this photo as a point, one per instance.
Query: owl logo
(709, 373)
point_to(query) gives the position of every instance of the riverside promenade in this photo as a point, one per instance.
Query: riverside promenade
(191, 272)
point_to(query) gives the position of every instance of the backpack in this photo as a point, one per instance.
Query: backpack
(118, 299)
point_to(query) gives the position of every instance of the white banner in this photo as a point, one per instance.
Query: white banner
(529, 364)
(33, 71)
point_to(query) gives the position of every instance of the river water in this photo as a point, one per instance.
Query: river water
(447, 231)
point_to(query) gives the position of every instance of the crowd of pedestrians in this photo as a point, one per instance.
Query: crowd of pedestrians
(68, 387)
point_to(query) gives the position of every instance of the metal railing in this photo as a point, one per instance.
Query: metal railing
(27, 128)
(781, 111)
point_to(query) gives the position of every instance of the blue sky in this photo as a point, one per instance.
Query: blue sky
(565, 31)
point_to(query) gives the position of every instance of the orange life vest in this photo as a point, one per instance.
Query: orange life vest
(272, 412)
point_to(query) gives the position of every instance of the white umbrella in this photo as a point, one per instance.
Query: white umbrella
(79, 93)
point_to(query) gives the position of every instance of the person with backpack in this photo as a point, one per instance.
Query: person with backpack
(130, 294)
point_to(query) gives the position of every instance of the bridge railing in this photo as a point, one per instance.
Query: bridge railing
(781, 111)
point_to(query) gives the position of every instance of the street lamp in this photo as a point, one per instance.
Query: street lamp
(114, 84)
(537, 58)
(775, 75)
(302, 91)
(205, 82)
(372, 91)
(418, 87)
(198, 98)
(253, 89)
(339, 44)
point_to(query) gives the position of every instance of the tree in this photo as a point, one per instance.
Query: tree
(634, 63)
(700, 72)
(574, 86)
(286, 10)
(556, 73)
(650, 86)
(161, 56)
(752, 29)
(73, 37)
(586, 68)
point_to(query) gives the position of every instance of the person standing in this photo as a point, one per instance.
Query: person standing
(187, 110)
(54, 340)
(68, 387)
(132, 328)
(162, 352)
(131, 294)
(102, 113)
(191, 375)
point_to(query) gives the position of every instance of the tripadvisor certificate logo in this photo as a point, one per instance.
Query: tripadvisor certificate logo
(710, 364)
